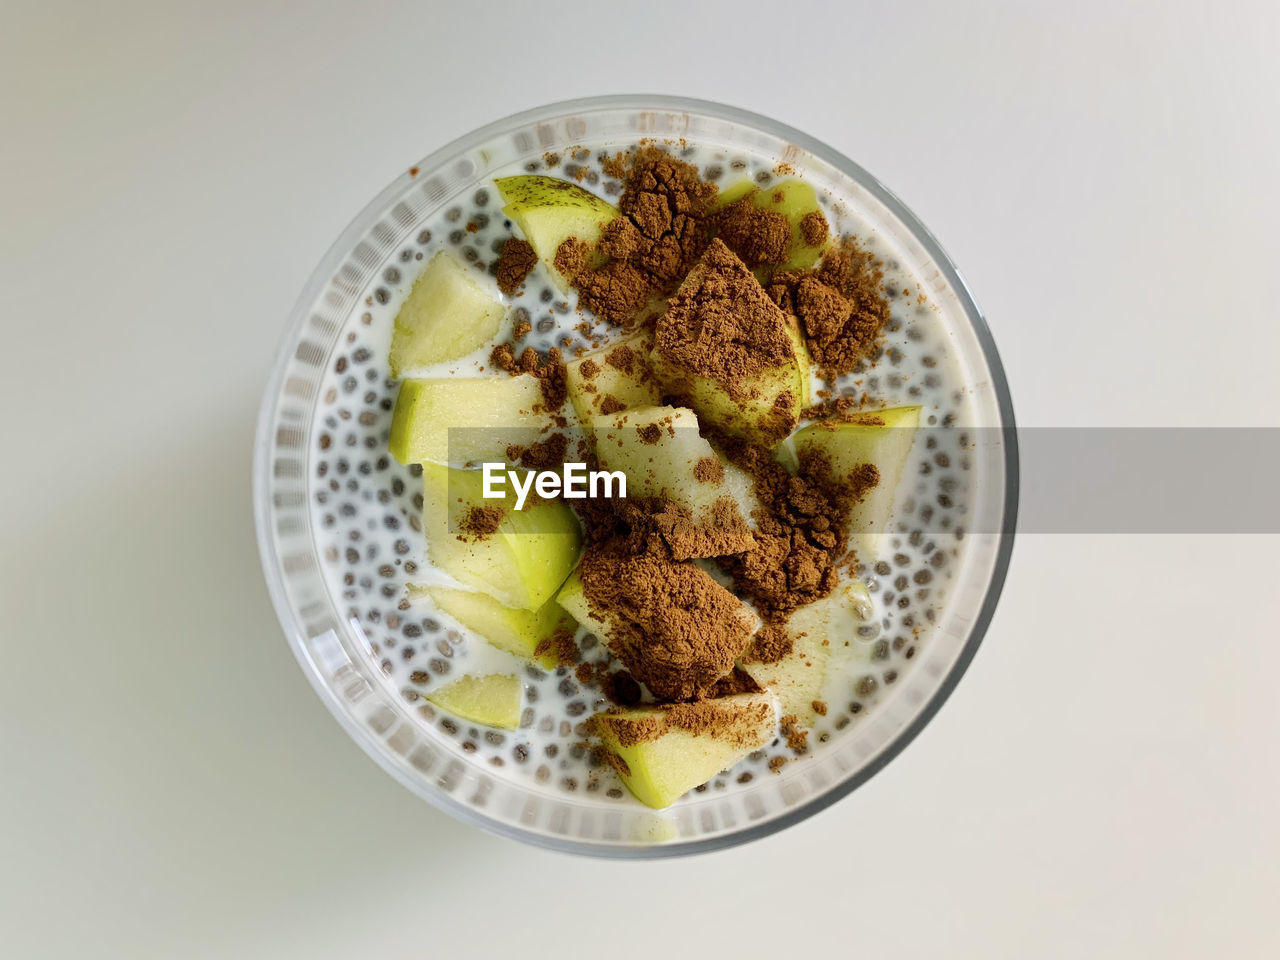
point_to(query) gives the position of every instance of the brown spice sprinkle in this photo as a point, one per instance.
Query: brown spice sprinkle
(550, 371)
(800, 537)
(739, 681)
(589, 369)
(776, 764)
(819, 707)
(797, 737)
(480, 522)
(515, 261)
(521, 329)
(545, 454)
(757, 236)
(672, 625)
(771, 643)
(611, 404)
(737, 720)
(813, 229)
(670, 531)
(622, 358)
(722, 326)
(708, 470)
(650, 433)
(840, 305)
(663, 229)
(832, 407)
(561, 644)
(571, 257)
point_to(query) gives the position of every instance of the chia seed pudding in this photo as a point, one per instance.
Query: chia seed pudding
(366, 508)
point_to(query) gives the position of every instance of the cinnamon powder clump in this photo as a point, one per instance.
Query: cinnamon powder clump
(662, 230)
(551, 371)
(841, 306)
(813, 229)
(708, 470)
(797, 737)
(757, 236)
(515, 261)
(571, 257)
(545, 454)
(673, 627)
(560, 644)
(801, 530)
(622, 358)
(481, 522)
(650, 433)
(771, 643)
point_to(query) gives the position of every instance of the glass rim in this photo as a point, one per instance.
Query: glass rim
(340, 249)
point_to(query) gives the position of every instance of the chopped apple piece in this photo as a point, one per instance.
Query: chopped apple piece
(507, 628)
(525, 558)
(549, 211)
(614, 378)
(847, 444)
(448, 314)
(817, 632)
(731, 351)
(492, 700)
(572, 600)
(795, 200)
(663, 456)
(662, 752)
(466, 420)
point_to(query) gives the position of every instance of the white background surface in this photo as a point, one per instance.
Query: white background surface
(1105, 781)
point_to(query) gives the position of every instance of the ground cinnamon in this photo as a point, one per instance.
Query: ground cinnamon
(480, 522)
(663, 229)
(737, 721)
(515, 261)
(757, 236)
(673, 627)
(550, 371)
(840, 305)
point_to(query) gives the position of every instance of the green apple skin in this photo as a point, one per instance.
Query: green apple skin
(880, 437)
(448, 314)
(791, 198)
(522, 564)
(573, 601)
(549, 211)
(636, 388)
(821, 632)
(487, 414)
(516, 631)
(659, 772)
(492, 700)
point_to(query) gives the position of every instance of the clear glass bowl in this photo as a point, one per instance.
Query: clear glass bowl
(334, 655)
